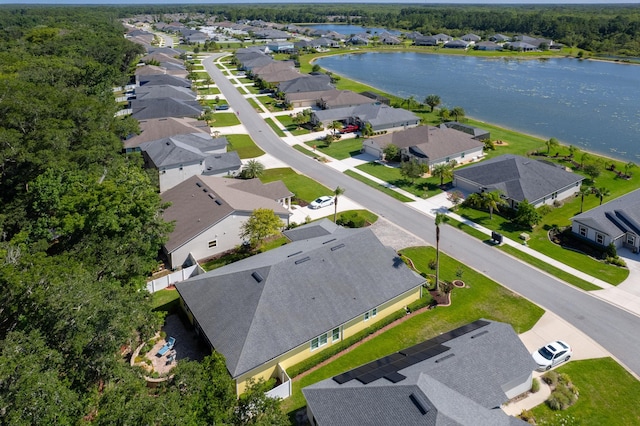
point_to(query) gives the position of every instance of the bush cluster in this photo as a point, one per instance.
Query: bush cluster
(351, 219)
(564, 393)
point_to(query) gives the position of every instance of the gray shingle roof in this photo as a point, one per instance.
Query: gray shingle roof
(519, 177)
(380, 116)
(165, 91)
(164, 107)
(311, 230)
(163, 79)
(158, 128)
(462, 386)
(306, 83)
(335, 278)
(222, 163)
(195, 210)
(615, 217)
(182, 149)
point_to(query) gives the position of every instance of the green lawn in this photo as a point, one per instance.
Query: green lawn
(483, 299)
(608, 396)
(340, 149)
(165, 300)
(244, 145)
(379, 187)
(275, 127)
(272, 104)
(208, 91)
(303, 187)
(224, 119)
(304, 150)
(255, 105)
(421, 187)
(294, 129)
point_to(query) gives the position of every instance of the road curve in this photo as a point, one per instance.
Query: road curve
(613, 328)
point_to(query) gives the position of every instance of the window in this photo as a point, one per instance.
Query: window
(370, 314)
(583, 231)
(599, 238)
(462, 156)
(335, 334)
(319, 341)
(213, 243)
(631, 239)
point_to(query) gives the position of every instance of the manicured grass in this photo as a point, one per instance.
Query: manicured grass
(421, 187)
(245, 80)
(608, 396)
(340, 149)
(244, 145)
(303, 187)
(254, 104)
(482, 299)
(252, 89)
(379, 187)
(165, 300)
(272, 104)
(224, 119)
(368, 216)
(294, 129)
(208, 91)
(305, 151)
(275, 127)
(202, 75)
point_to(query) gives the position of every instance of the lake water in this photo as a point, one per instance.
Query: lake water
(348, 30)
(592, 105)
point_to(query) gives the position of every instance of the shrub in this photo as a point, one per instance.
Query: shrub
(563, 396)
(545, 209)
(616, 261)
(351, 219)
(550, 378)
(432, 264)
(527, 416)
(535, 385)
(611, 251)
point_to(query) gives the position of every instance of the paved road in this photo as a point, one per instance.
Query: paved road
(613, 328)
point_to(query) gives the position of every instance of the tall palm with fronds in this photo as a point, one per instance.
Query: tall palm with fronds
(601, 193)
(492, 201)
(442, 171)
(432, 100)
(336, 193)
(335, 126)
(457, 112)
(551, 143)
(584, 191)
(409, 101)
(440, 219)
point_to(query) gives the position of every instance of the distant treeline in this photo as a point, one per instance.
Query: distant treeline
(601, 29)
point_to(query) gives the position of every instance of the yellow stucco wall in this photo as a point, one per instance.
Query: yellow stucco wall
(304, 351)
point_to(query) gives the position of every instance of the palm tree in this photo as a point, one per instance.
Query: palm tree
(584, 191)
(442, 171)
(583, 159)
(440, 219)
(601, 192)
(457, 112)
(572, 151)
(627, 167)
(492, 200)
(444, 114)
(432, 100)
(253, 169)
(551, 143)
(336, 193)
(335, 126)
(409, 101)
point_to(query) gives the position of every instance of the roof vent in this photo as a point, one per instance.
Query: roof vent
(256, 276)
(304, 259)
(339, 246)
(198, 184)
(218, 202)
(327, 242)
(444, 358)
(420, 403)
(295, 254)
(211, 196)
(479, 334)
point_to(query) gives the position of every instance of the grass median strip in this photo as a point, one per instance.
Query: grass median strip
(378, 186)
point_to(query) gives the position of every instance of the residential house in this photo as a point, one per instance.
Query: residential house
(162, 80)
(388, 39)
(342, 98)
(520, 46)
(164, 91)
(499, 38)
(519, 178)
(488, 46)
(208, 213)
(306, 83)
(361, 39)
(425, 41)
(616, 222)
(177, 158)
(280, 46)
(471, 38)
(461, 377)
(193, 36)
(443, 38)
(276, 72)
(273, 310)
(325, 43)
(475, 132)
(427, 144)
(457, 44)
(379, 116)
(158, 128)
(164, 107)
(145, 70)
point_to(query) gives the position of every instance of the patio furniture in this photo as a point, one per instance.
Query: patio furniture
(171, 341)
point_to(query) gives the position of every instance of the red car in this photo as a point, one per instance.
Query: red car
(349, 129)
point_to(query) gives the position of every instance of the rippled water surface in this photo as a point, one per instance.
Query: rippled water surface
(593, 105)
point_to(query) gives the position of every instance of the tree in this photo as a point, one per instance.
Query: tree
(584, 191)
(253, 169)
(444, 114)
(391, 152)
(254, 407)
(455, 198)
(458, 112)
(335, 126)
(527, 215)
(584, 158)
(551, 143)
(412, 169)
(367, 130)
(432, 100)
(627, 168)
(572, 151)
(336, 193)
(442, 171)
(261, 224)
(315, 68)
(440, 219)
(409, 101)
(601, 192)
(487, 200)
(592, 170)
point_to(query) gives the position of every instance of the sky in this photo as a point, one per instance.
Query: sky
(133, 2)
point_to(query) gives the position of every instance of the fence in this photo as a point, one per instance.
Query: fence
(174, 277)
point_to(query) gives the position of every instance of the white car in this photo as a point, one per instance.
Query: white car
(320, 202)
(552, 354)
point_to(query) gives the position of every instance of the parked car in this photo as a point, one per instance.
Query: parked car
(552, 354)
(320, 202)
(222, 107)
(349, 129)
